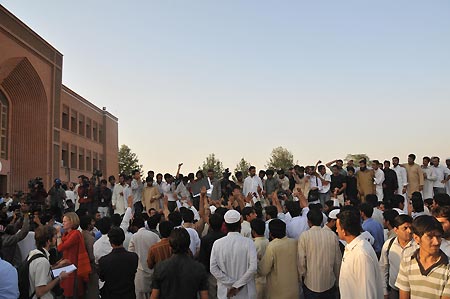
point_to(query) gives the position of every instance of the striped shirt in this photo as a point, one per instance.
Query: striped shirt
(319, 258)
(159, 252)
(431, 283)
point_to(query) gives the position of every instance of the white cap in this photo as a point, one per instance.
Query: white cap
(232, 216)
(212, 209)
(333, 213)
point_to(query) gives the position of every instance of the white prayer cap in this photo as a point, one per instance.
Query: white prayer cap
(232, 216)
(333, 214)
(212, 209)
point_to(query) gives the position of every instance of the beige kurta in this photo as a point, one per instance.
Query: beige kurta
(364, 180)
(280, 265)
(415, 178)
(149, 194)
(261, 245)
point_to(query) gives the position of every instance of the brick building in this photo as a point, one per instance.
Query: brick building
(46, 129)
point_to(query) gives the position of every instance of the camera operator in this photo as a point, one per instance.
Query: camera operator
(12, 236)
(57, 199)
(37, 194)
(104, 198)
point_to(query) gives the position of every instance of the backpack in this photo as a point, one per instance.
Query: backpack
(23, 272)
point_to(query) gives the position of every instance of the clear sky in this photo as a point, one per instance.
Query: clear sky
(239, 78)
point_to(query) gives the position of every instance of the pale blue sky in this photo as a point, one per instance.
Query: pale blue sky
(238, 78)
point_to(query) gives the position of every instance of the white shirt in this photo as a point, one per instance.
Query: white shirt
(251, 185)
(102, 247)
(402, 179)
(297, 225)
(379, 178)
(26, 245)
(234, 270)
(246, 229)
(360, 275)
(390, 265)
(315, 182)
(140, 243)
(167, 190)
(118, 200)
(445, 246)
(136, 188)
(428, 182)
(40, 273)
(440, 172)
(195, 240)
(70, 195)
(325, 188)
(127, 192)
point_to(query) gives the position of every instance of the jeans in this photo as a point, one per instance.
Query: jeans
(323, 197)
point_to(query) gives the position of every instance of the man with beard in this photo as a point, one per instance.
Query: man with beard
(365, 178)
(390, 185)
(415, 176)
(429, 176)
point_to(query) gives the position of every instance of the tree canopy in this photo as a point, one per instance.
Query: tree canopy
(128, 161)
(211, 162)
(243, 166)
(280, 158)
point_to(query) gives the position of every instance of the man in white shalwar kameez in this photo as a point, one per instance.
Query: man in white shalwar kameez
(233, 262)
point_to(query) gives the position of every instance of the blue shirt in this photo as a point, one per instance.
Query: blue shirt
(376, 230)
(9, 284)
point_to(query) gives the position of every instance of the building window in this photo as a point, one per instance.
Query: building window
(73, 157)
(65, 155)
(81, 124)
(3, 126)
(88, 161)
(88, 128)
(81, 158)
(95, 161)
(94, 130)
(100, 163)
(100, 134)
(65, 117)
(74, 122)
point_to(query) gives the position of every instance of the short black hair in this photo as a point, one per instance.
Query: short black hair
(138, 221)
(417, 203)
(238, 174)
(293, 208)
(175, 218)
(350, 220)
(116, 236)
(271, 211)
(247, 211)
(350, 168)
(372, 199)
(320, 167)
(396, 200)
(111, 177)
(153, 221)
(425, 224)
(135, 171)
(85, 220)
(412, 156)
(389, 216)
(187, 215)
(270, 172)
(233, 227)
(179, 240)
(259, 226)
(442, 212)
(251, 168)
(116, 220)
(442, 199)
(367, 209)
(215, 221)
(104, 225)
(277, 228)
(165, 228)
(315, 216)
(400, 219)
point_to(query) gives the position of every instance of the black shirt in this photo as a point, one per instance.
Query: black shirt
(180, 277)
(337, 181)
(352, 188)
(390, 180)
(206, 247)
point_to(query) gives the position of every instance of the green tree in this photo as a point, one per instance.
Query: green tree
(243, 166)
(128, 161)
(280, 158)
(356, 158)
(213, 163)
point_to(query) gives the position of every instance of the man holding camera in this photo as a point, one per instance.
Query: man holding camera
(57, 198)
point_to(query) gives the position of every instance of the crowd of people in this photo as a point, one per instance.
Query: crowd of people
(322, 231)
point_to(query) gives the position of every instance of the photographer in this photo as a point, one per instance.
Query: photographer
(57, 199)
(37, 193)
(12, 236)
